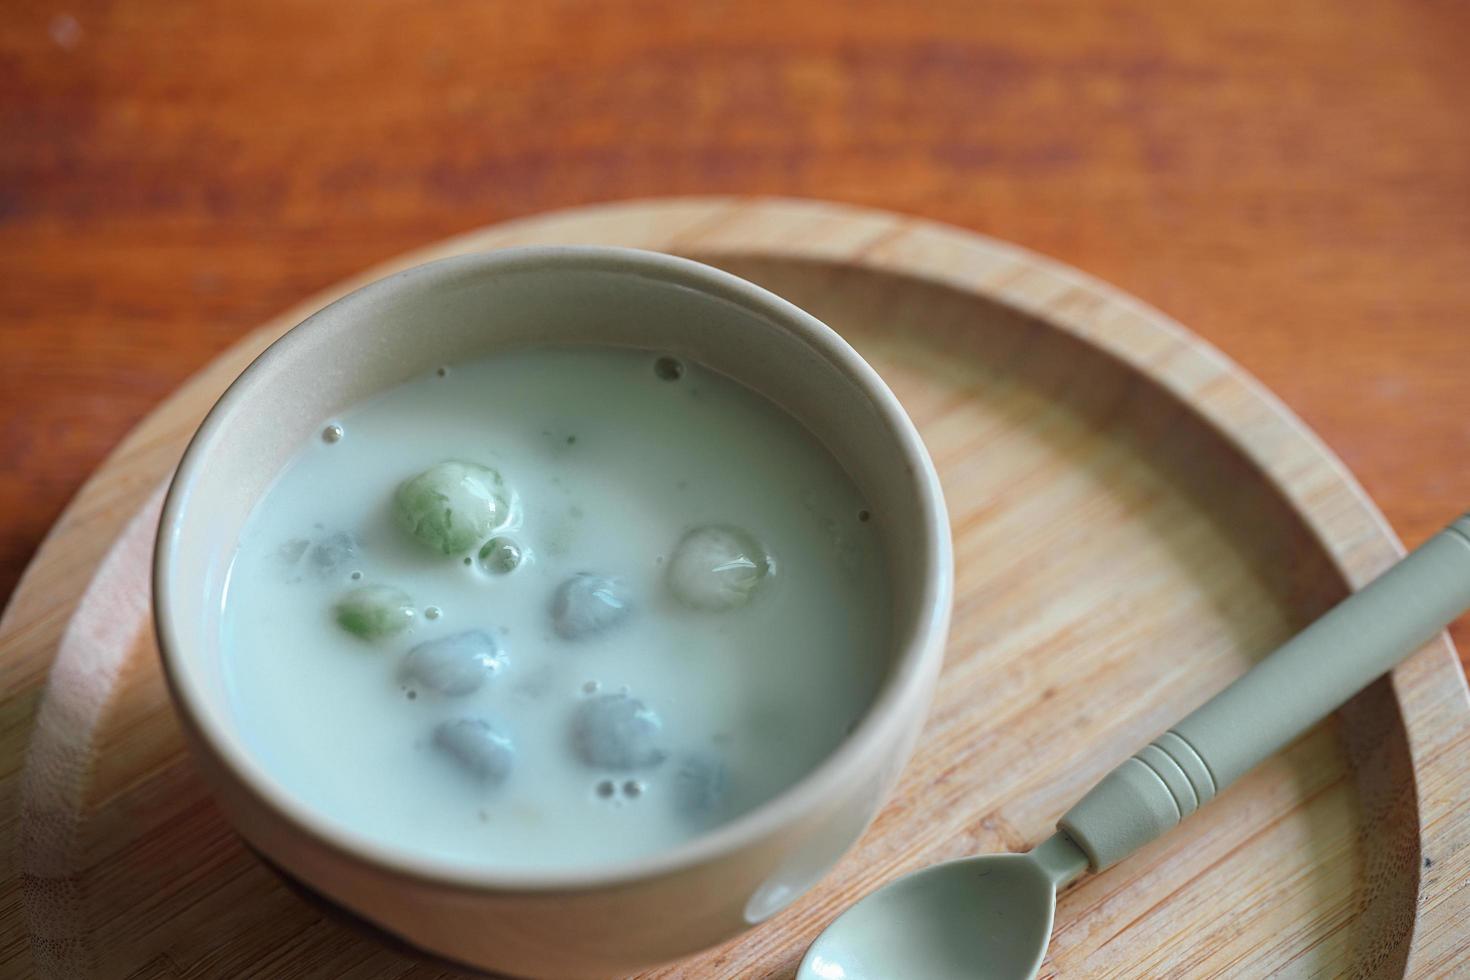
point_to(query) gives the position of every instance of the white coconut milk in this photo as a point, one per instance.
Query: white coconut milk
(747, 672)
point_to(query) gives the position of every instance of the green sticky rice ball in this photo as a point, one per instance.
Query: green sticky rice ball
(374, 611)
(452, 506)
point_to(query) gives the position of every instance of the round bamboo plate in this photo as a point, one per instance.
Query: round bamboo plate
(1135, 520)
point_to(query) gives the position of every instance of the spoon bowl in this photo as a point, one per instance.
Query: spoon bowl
(985, 917)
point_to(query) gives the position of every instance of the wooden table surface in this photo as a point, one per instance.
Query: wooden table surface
(1290, 180)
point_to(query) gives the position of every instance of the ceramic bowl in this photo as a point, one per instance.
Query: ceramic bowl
(610, 919)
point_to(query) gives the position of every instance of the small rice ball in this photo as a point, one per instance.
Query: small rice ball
(717, 567)
(477, 747)
(617, 732)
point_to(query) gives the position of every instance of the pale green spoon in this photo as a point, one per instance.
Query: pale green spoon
(990, 917)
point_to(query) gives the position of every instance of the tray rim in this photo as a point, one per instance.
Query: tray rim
(1429, 689)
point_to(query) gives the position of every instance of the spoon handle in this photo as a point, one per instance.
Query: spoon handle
(1279, 698)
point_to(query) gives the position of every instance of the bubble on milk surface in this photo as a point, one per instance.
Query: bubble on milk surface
(668, 368)
(500, 555)
(619, 793)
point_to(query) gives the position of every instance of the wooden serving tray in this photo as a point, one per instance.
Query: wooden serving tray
(1135, 521)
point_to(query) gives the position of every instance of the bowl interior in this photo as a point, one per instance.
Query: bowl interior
(472, 306)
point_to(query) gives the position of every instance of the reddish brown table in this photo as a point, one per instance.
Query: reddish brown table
(1291, 180)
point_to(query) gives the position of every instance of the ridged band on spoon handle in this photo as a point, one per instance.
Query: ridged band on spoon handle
(1278, 699)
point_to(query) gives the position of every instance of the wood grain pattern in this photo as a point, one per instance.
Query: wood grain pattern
(1135, 521)
(1292, 180)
